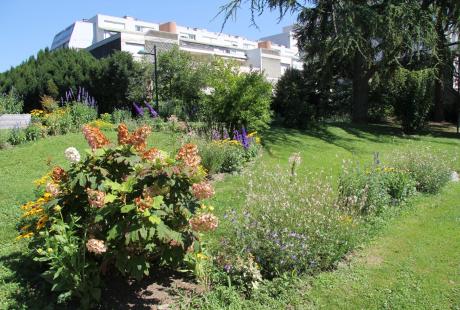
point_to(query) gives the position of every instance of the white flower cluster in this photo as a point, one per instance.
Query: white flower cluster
(72, 154)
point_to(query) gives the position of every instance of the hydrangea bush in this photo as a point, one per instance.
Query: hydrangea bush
(121, 207)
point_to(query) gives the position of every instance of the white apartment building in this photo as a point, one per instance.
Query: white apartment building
(102, 35)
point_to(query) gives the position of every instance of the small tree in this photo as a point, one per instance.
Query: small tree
(237, 99)
(413, 94)
(291, 100)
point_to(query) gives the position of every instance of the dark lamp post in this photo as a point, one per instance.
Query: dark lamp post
(154, 54)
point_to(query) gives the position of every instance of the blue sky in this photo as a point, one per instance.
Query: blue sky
(28, 25)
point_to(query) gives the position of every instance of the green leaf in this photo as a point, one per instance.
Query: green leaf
(114, 232)
(112, 185)
(99, 152)
(154, 219)
(127, 208)
(157, 202)
(82, 179)
(109, 198)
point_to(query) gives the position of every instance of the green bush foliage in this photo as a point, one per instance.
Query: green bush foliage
(65, 68)
(290, 101)
(430, 170)
(124, 209)
(412, 97)
(17, 136)
(237, 99)
(11, 103)
(369, 190)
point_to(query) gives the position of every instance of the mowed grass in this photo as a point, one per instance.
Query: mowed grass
(413, 263)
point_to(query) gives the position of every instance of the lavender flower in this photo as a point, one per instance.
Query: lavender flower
(215, 135)
(225, 134)
(152, 111)
(138, 109)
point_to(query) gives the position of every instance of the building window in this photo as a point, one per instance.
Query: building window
(139, 28)
(189, 36)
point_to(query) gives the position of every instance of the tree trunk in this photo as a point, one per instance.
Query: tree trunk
(360, 104)
(438, 110)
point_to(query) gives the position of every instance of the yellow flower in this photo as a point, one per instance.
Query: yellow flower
(25, 236)
(41, 222)
(252, 134)
(201, 256)
(43, 180)
(24, 228)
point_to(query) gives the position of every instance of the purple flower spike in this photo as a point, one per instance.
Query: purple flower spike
(215, 135)
(138, 109)
(152, 111)
(225, 135)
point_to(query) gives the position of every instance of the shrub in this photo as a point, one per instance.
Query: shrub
(10, 103)
(121, 116)
(101, 124)
(81, 114)
(369, 190)
(48, 103)
(430, 170)
(237, 99)
(35, 131)
(291, 100)
(17, 136)
(412, 95)
(4, 135)
(288, 224)
(123, 208)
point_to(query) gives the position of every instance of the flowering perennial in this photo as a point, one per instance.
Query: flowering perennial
(189, 154)
(72, 155)
(202, 190)
(96, 246)
(204, 222)
(95, 137)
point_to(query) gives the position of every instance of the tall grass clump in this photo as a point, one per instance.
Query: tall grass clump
(431, 170)
(369, 190)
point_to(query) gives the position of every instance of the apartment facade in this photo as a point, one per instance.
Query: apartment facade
(103, 34)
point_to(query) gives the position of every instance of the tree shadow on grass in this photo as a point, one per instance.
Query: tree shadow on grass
(362, 133)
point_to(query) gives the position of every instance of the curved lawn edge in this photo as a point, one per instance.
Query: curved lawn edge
(413, 263)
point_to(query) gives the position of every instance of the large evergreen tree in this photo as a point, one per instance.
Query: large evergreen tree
(354, 39)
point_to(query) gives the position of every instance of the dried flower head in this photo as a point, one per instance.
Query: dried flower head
(139, 137)
(95, 137)
(58, 174)
(143, 204)
(96, 246)
(173, 119)
(295, 159)
(204, 222)
(202, 190)
(123, 134)
(188, 153)
(95, 198)
(153, 154)
(72, 155)
(53, 189)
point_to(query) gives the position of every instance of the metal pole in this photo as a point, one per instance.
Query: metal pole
(156, 77)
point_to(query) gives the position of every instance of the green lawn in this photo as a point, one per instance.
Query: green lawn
(413, 263)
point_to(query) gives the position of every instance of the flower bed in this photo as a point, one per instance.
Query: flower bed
(123, 208)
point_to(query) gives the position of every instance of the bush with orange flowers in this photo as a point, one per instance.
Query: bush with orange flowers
(124, 208)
